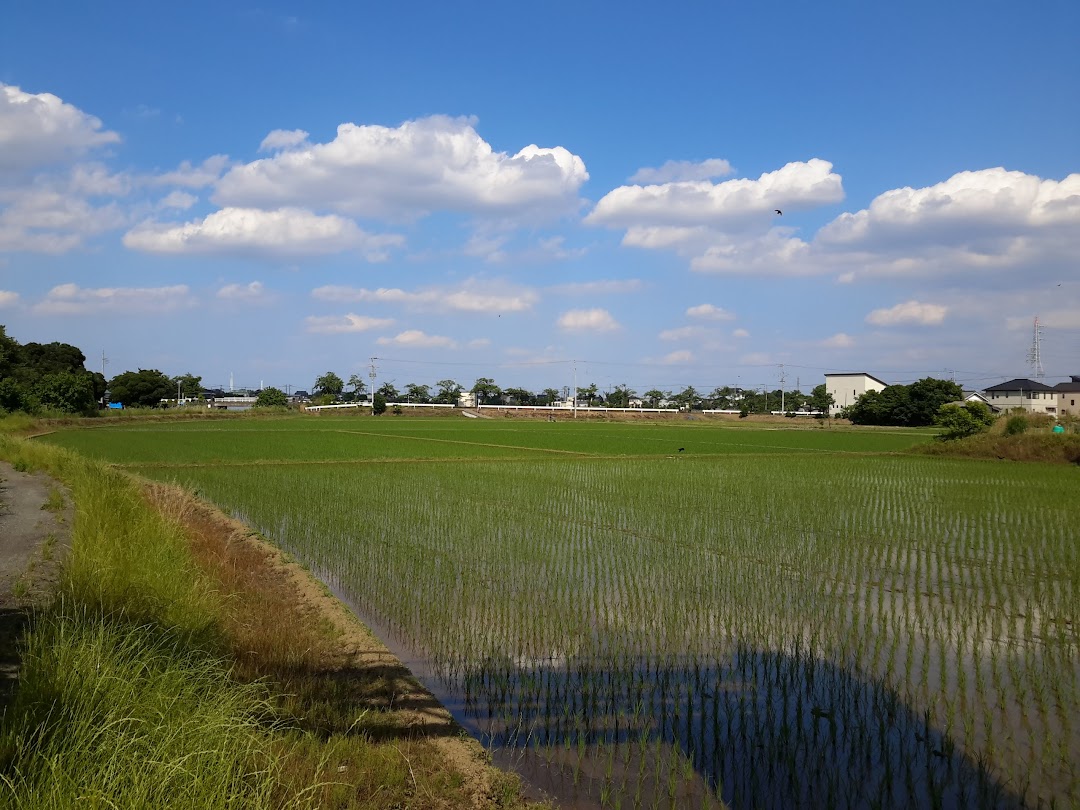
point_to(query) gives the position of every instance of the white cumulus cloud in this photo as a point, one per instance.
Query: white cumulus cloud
(682, 356)
(189, 175)
(909, 312)
(736, 203)
(282, 139)
(37, 129)
(251, 293)
(675, 171)
(587, 320)
(709, 312)
(405, 172)
(8, 298)
(991, 220)
(71, 299)
(740, 333)
(284, 232)
(470, 297)
(838, 341)
(334, 324)
(414, 338)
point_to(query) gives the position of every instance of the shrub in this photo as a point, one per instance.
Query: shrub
(378, 405)
(1016, 424)
(960, 421)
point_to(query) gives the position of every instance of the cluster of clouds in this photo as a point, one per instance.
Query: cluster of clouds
(364, 191)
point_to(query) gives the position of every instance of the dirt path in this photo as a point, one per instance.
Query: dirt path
(35, 532)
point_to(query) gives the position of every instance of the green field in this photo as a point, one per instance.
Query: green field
(803, 617)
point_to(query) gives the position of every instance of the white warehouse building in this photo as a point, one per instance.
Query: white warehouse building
(846, 388)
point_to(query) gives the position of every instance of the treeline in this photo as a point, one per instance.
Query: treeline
(331, 388)
(46, 376)
(914, 405)
(38, 377)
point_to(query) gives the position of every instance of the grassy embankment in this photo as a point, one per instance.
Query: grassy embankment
(179, 667)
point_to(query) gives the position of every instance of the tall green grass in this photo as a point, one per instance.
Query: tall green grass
(125, 698)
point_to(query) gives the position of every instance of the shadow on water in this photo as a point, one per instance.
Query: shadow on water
(742, 727)
(755, 729)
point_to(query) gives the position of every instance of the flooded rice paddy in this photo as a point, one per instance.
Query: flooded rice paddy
(774, 630)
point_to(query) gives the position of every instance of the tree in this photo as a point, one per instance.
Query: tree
(329, 383)
(271, 398)
(449, 391)
(417, 393)
(926, 398)
(389, 392)
(688, 398)
(722, 398)
(620, 397)
(66, 391)
(821, 400)
(589, 392)
(653, 396)
(960, 421)
(358, 386)
(53, 358)
(190, 386)
(550, 395)
(378, 403)
(914, 405)
(485, 390)
(520, 396)
(144, 388)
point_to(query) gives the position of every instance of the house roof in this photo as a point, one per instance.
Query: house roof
(1072, 385)
(856, 374)
(1020, 384)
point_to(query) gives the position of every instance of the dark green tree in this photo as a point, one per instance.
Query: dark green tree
(378, 404)
(653, 397)
(389, 392)
(329, 384)
(449, 391)
(417, 393)
(144, 388)
(190, 386)
(621, 396)
(486, 390)
(271, 398)
(66, 391)
(520, 396)
(821, 400)
(550, 395)
(926, 398)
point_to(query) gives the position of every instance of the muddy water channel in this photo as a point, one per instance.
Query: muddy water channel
(853, 632)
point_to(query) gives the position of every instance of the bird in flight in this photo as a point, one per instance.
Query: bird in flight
(778, 211)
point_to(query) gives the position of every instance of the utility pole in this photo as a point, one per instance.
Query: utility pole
(575, 389)
(371, 375)
(104, 360)
(782, 378)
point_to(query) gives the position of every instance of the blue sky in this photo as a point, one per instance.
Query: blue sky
(482, 189)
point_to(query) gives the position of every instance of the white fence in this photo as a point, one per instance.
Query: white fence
(368, 405)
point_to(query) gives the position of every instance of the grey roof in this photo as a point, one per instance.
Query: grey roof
(1072, 385)
(1020, 384)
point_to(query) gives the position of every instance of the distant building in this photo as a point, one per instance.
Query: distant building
(846, 388)
(1030, 395)
(1068, 396)
(466, 399)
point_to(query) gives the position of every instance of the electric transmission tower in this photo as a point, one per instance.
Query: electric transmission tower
(1034, 354)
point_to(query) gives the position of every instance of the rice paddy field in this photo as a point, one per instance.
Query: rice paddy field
(687, 614)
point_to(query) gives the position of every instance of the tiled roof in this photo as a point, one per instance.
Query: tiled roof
(1020, 384)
